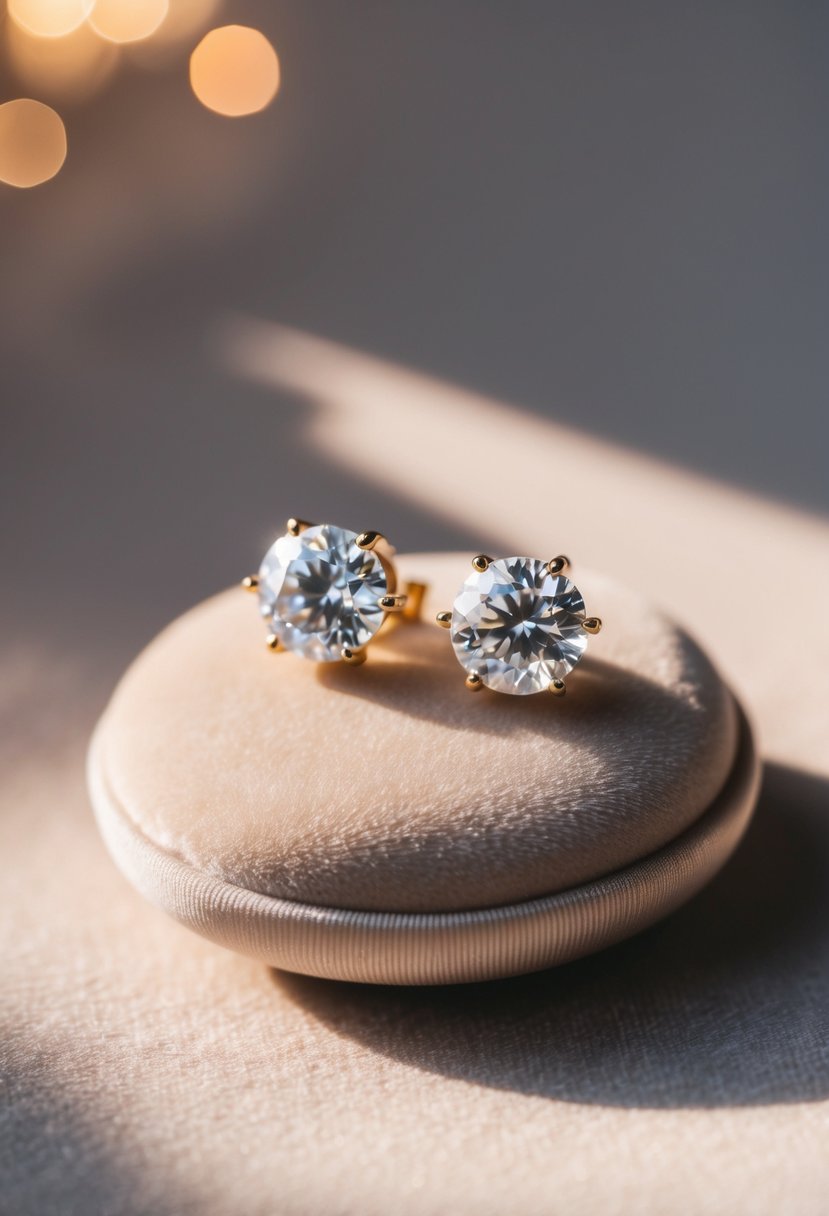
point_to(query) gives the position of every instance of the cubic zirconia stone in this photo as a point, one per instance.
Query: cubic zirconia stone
(319, 592)
(517, 626)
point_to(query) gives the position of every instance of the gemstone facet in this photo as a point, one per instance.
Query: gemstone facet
(517, 626)
(320, 593)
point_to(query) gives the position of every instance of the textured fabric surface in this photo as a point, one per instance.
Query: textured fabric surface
(146, 1070)
(685, 1071)
(433, 948)
(390, 787)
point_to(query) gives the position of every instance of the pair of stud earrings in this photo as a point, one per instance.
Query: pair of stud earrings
(518, 624)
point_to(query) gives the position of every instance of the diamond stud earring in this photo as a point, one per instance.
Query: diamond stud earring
(519, 625)
(324, 592)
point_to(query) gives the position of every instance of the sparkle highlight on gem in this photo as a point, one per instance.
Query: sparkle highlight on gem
(320, 593)
(518, 627)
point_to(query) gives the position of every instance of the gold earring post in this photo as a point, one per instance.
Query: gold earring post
(415, 594)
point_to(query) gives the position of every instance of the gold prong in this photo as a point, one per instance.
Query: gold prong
(482, 562)
(392, 603)
(592, 624)
(557, 688)
(295, 526)
(251, 583)
(353, 657)
(273, 643)
(474, 682)
(368, 540)
(444, 619)
(558, 564)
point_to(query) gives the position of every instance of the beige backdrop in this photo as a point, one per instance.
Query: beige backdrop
(146, 1071)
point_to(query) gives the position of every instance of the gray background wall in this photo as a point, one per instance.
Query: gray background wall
(611, 214)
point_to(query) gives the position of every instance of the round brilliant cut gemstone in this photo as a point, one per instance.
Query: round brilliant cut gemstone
(319, 593)
(517, 626)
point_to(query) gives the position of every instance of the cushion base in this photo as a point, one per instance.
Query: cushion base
(438, 948)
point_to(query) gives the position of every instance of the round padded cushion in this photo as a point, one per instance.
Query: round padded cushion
(390, 786)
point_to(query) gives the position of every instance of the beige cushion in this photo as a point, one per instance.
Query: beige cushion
(391, 787)
(225, 773)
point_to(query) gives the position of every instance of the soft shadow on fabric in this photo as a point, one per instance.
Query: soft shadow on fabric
(54, 1161)
(724, 1004)
(420, 678)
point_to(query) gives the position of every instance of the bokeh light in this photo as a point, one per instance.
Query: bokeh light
(32, 142)
(127, 20)
(49, 18)
(72, 67)
(234, 71)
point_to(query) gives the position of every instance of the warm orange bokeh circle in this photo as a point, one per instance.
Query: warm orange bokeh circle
(32, 142)
(234, 71)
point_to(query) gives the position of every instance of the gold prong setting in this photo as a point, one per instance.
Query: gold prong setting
(353, 657)
(522, 629)
(315, 562)
(558, 564)
(393, 603)
(368, 541)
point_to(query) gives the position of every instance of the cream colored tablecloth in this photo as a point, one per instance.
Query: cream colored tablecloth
(146, 1071)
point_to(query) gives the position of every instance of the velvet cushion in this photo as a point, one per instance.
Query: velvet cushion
(390, 787)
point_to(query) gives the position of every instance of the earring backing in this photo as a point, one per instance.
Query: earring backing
(325, 592)
(519, 625)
